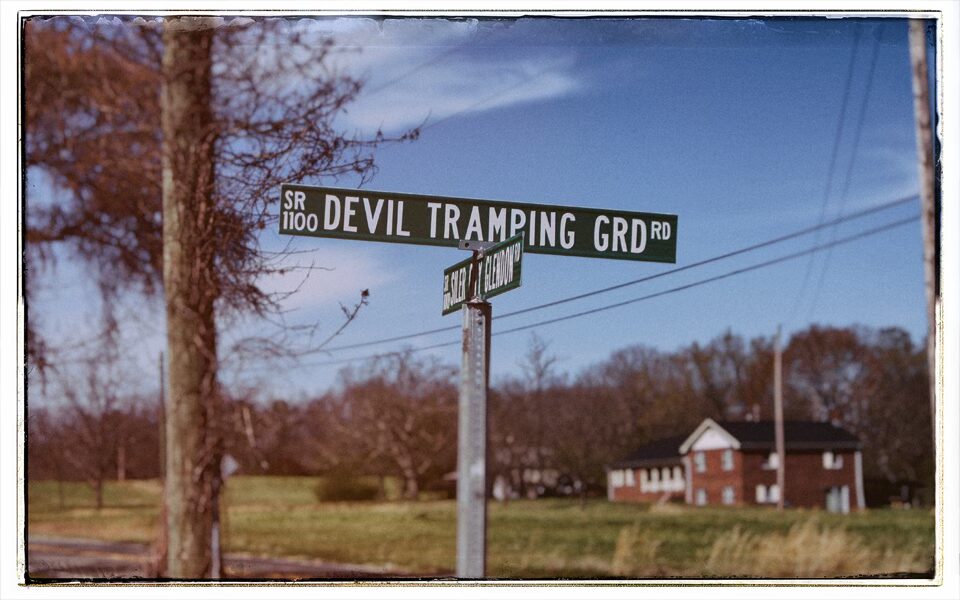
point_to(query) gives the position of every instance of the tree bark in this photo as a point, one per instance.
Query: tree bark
(190, 291)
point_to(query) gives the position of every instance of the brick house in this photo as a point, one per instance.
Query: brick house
(651, 473)
(734, 463)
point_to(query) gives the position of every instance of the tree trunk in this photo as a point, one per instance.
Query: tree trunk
(411, 488)
(59, 472)
(121, 463)
(98, 492)
(190, 291)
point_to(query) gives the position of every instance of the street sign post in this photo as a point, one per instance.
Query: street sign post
(498, 233)
(493, 271)
(472, 441)
(445, 221)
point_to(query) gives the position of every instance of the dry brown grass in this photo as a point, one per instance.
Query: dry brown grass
(635, 555)
(805, 551)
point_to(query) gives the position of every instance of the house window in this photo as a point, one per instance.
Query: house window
(728, 460)
(773, 461)
(701, 497)
(617, 478)
(665, 475)
(761, 494)
(774, 494)
(678, 478)
(630, 481)
(727, 494)
(700, 461)
(832, 461)
(644, 482)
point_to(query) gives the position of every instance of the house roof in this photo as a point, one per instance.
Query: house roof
(658, 453)
(760, 435)
(797, 435)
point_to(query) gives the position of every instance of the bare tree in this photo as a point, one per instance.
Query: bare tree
(518, 408)
(170, 136)
(400, 411)
(823, 367)
(94, 425)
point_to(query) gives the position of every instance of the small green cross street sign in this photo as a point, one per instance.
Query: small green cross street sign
(494, 271)
(442, 221)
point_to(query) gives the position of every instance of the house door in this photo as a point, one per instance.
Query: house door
(838, 499)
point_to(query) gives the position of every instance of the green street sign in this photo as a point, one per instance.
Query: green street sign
(443, 221)
(495, 271)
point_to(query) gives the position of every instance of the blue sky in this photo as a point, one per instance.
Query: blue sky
(730, 124)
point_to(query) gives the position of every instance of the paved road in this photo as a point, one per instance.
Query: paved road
(72, 558)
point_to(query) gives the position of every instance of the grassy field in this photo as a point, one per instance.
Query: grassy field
(280, 516)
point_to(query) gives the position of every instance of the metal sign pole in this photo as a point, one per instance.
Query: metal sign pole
(472, 441)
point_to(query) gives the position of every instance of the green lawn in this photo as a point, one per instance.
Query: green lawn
(280, 516)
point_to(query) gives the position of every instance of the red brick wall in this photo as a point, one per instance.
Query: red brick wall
(714, 479)
(754, 474)
(806, 479)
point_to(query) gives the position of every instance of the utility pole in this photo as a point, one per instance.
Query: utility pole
(778, 417)
(928, 191)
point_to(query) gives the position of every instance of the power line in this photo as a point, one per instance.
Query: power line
(727, 275)
(801, 232)
(848, 176)
(837, 136)
(486, 99)
(433, 60)
(438, 58)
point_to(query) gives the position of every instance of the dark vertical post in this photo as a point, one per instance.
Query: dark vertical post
(216, 559)
(778, 418)
(161, 420)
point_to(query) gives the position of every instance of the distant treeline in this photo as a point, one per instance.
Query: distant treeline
(396, 416)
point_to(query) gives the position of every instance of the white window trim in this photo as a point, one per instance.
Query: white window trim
(831, 461)
(616, 478)
(726, 460)
(772, 462)
(678, 479)
(761, 494)
(728, 496)
(700, 462)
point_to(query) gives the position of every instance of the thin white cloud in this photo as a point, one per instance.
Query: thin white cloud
(413, 69)
(349, 273)
(461, 88)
